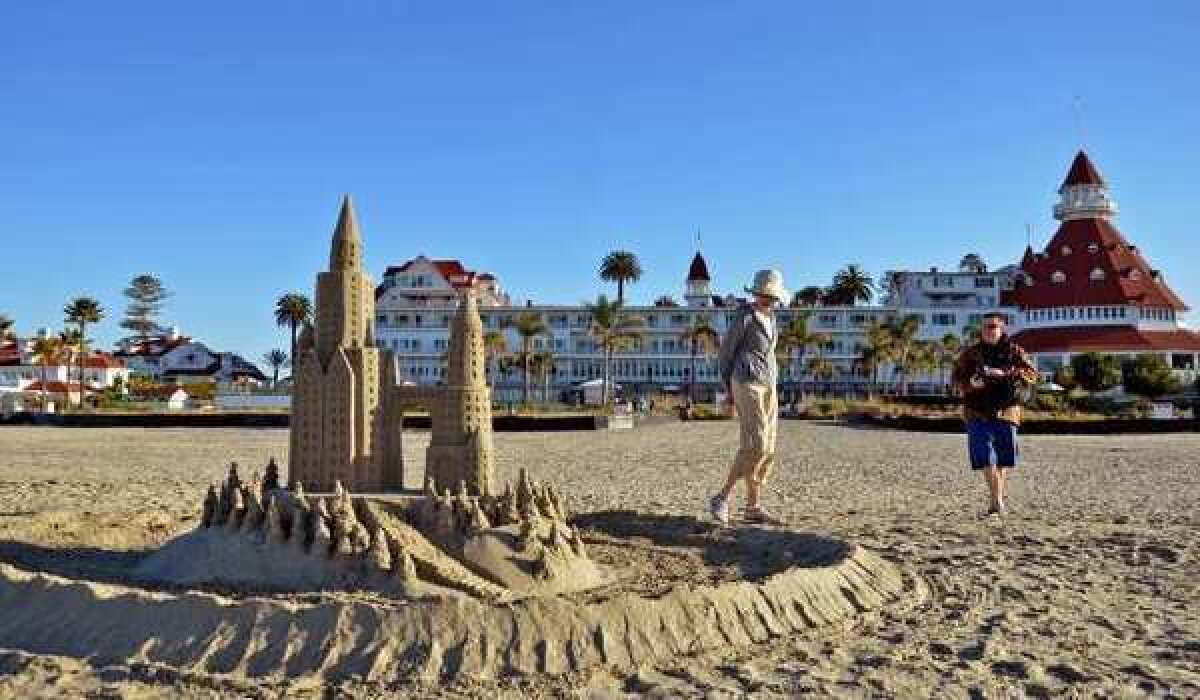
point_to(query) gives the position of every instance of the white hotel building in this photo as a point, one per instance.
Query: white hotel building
(1089, 290)
(415, 302)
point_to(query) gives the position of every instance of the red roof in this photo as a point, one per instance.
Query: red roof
(1106, 339)
(1082, 172)
(1127, 277)
(698, 272)
(452, 270)
(9, 354)
(103, 360)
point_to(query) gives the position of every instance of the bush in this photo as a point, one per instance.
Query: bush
(1096, 372)
(1151, 376)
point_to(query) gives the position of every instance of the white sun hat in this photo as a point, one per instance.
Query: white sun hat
(769, 283)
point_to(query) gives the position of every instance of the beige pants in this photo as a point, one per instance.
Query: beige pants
(758, 413)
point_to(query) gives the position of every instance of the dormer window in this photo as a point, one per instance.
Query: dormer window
(1058, 277)
(1066, 250)
(1093, 248)
(1097, 275)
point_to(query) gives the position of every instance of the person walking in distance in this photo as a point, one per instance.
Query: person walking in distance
(748, 375)
(991, 375)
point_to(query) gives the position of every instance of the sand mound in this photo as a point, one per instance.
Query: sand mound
(441, 637)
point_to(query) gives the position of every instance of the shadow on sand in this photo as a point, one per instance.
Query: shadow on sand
(757, 552)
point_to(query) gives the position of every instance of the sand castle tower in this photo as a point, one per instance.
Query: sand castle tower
(338, 430)
(460, 449)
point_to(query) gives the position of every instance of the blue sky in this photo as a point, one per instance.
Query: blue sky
(209, 143)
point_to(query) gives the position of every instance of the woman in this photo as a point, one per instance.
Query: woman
(748, 374)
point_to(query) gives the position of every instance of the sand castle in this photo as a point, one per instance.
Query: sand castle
(348, 407)
(466, 575)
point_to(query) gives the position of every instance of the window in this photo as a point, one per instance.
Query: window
(1097, 275)
(828, 319)
(985, 282)
(1093, 248)
(1135, 275)
(944, 320)
(858, 319)
(1066, 250)
(1058, 277)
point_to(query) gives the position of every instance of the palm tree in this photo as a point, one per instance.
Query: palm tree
(528, 325)
(612, 329)
(808, 296)
(495, 344)
(275, 358)
(820, 367)
(82, 311)
(878, 350)
(701, 338)
(543, 365)
(620, 266)
(924, 358)
(947, 355)
(850, 286)
(903, 343)
(6, 327)
(47, 352)
(973, 333)
(796, 336)
(293, 310)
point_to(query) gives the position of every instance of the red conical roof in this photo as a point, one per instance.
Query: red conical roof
(1078, 249)
(1082, 172)
(698, 272)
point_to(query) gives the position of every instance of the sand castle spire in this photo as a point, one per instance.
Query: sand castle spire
(345, 253)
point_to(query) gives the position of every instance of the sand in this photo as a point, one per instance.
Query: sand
(1089, 587)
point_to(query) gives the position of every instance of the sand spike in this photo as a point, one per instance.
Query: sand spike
(298, 495)
(338, 489)
(479, 520)
(271, 478)
(212, 505)
(524, 491)
(379, 559)
(403, 566)
(430, 488)
(528, 537)
(233, 479)
(544, 504)
(543, 567)
(558, 542)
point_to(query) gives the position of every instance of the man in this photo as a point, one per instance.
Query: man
(748, 375)
(991, 375)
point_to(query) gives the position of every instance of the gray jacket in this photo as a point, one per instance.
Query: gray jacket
(748, 350)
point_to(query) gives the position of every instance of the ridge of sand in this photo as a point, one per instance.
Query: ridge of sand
(332, 639)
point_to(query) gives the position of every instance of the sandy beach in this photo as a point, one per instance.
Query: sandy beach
(1089, 587)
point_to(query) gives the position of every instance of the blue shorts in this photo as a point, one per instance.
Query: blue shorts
(992, 443)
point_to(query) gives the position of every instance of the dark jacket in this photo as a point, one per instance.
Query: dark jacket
(999, 398)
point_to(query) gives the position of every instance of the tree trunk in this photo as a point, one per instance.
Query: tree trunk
(293, 355)
(621, 290)
(525, 380)
(607, 374)
(82, 360)
(692, 378)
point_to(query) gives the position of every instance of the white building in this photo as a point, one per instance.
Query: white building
(181, 359)
(21, 371)
(413, 315)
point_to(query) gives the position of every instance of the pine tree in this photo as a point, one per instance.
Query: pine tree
(146, 295)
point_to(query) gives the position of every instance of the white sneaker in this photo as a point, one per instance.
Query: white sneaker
(719, 508)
